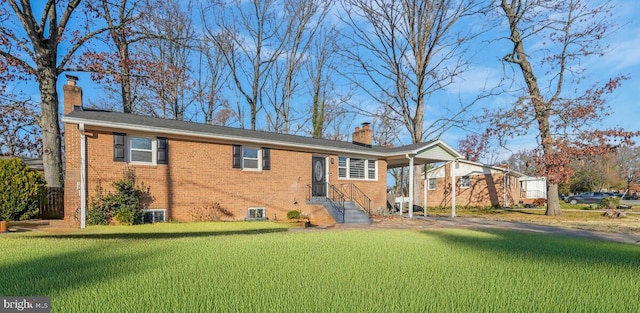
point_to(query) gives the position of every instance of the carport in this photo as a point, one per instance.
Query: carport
(422, 154)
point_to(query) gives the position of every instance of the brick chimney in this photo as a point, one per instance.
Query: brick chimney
(363, 136)
(71, 94)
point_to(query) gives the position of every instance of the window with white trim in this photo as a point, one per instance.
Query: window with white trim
(342, 167)
(154, 215)
(432, 183)
(250, 158)
(258, 213)
(465, 181)
(353, 168)
(141, 149)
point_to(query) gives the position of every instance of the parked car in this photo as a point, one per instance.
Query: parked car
(588, 197)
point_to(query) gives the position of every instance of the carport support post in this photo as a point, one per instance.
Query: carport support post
(425, 182)
(411, 177)
(454, 164)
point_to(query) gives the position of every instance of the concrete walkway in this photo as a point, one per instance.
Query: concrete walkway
(433, 222)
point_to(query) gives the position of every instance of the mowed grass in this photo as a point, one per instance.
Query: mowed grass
(262, 267)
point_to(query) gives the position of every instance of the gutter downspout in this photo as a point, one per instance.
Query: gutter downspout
(454, 164)
(83, 176)
(426, 181)
(411, 178)
(504, 189)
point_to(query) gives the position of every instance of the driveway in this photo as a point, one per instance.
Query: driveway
(431, 222)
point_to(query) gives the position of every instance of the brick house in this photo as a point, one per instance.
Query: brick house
(251, 174)
(477, 184)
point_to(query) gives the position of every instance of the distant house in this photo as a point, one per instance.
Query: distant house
(533, 189)
(251, 174)
(476, 184)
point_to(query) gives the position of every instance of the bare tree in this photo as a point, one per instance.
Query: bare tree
(250, 35)
(523, 161)
(553, 102)
(304, 20)
(171, 88)
(321, 68)
(212, 78)
(41, 49)
(405, 52)
(628, 165)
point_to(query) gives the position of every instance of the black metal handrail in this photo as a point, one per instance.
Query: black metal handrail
(337, 199)
(355, 194)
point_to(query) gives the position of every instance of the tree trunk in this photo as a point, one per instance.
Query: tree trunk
(125, 79)
(553, 201)
(51, 143)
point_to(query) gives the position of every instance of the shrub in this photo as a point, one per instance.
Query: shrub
(128, 215)
(21, 190)
(610, 203)
(99, 212)
(210, 213)
(126, 204)
(293, 214)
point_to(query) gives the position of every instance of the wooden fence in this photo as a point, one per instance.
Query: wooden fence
(53, 208)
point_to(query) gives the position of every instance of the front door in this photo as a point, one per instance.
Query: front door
(319, 180)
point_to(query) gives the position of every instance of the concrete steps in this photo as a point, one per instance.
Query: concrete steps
(352, 212)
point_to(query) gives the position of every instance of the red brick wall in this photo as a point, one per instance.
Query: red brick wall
(375, 190)
(72, 96)
(200, 173)
(485, 190)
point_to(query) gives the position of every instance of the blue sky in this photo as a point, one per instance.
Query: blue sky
(623, 57)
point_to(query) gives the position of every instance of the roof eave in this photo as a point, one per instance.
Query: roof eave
(171, 131)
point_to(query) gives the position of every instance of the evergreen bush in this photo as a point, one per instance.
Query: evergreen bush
(21, 190)
(126, 204)
(293, 214)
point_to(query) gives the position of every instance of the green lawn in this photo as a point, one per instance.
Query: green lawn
(258, 267)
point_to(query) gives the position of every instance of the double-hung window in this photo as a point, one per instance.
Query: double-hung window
(465, 181)
(354, 168)
(140, 149)
(251, 158)
(432, 183)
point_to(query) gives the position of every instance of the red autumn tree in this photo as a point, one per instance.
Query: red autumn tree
(122, 70)
(473, 147)
(19, 131)
(548, 40)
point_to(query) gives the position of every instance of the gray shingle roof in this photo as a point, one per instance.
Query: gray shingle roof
(159, 125)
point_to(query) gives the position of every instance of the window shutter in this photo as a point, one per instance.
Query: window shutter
(163, 150)
(119, 147)
(266, 158)
(237, 156)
